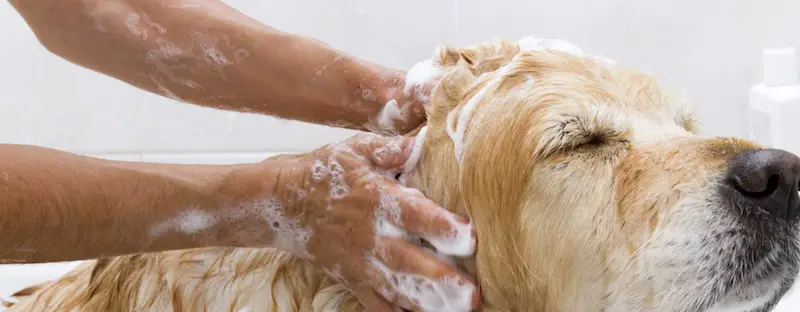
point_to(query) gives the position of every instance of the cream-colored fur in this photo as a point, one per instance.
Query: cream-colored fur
(581, 179)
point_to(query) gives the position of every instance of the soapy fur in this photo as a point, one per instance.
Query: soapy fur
(416, 153)
(629, 216)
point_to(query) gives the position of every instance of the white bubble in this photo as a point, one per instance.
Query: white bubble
(388, 217)
(459, 243)
(195, 221)
(319, 171)
(420, 74)
(389, 114)
(338, 187)
(446, 294)
(369, 95)
(416, 154)
(132, 23)
(191, 221)
(289, 234)
(214, 56)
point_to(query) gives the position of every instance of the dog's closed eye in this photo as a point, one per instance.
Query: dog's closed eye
(582, 130)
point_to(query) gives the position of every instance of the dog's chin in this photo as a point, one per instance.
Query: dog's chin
(716, 259)
(737, 293)
(754, 296)
(768, 278)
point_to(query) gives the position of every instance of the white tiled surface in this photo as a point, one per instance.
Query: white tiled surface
(707, 48)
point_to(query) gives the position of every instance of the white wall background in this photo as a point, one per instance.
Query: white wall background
(710, 49)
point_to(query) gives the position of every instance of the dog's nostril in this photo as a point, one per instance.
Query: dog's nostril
(767, 180)
(757, 189)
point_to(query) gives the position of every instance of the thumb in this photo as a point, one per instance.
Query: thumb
(388, 152)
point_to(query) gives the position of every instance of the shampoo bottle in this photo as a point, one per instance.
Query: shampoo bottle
(775, 102)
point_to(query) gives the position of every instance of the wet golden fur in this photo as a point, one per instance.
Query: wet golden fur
(551, 173)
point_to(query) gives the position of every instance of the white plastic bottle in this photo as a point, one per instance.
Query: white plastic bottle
(775, 102)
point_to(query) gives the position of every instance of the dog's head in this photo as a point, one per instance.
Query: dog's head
(591, 190)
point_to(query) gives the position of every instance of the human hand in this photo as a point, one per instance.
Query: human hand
(406, 96)
(345, 213)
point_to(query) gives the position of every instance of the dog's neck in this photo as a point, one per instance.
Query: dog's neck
(437, 176)
(501, 239)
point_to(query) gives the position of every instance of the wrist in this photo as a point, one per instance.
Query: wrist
(379, 94)
(251, 198)
(158, 206)
(369, 88)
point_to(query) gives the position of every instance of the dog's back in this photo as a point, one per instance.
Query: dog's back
(211, 279)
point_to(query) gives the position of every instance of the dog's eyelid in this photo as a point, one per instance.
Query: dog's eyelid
(587, 136)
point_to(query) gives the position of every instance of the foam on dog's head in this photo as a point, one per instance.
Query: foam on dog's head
(541, 144)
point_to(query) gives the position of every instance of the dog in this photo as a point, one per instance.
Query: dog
(589, 186)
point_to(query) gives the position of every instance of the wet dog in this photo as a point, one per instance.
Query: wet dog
(589, 187)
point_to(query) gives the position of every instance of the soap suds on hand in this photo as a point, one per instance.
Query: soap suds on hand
(190, 222)
(195, 221)
(288, 234)
(384, 122)
(387, 214)
(460, 243)
(416, 80)
(320, 170)
(420, 74)
(445, 294)
(382, 153)
(338, 187)
(388, 217)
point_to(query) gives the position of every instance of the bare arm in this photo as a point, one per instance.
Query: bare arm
(332, 207)
(57, 206)
(207, 53)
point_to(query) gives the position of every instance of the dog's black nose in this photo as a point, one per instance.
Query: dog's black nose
(768, 179)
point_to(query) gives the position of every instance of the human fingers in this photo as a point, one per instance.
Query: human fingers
(388, 153)
(414, 115)
(372, 288)
(411, 211)
(422, 281)
(371, 300)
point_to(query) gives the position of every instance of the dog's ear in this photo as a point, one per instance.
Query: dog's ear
(479, 59)
(462, 67)
(449, 92)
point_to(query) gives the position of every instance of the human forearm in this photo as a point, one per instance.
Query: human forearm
(57, 206)
(204, 52)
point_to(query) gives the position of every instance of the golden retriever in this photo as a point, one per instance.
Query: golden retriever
(588, 185)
